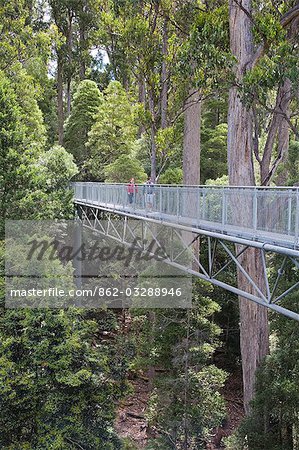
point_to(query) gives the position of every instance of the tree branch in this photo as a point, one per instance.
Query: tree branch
(245, 11)
(285, 116)
(74, 443)
(289, 16)
(256, 136)
(285, 20)
(191, 103)
(273, 169)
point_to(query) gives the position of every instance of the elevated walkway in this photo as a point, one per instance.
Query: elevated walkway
(268, 216)
(252, 217)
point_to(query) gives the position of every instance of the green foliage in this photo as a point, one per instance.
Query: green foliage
(59, 383)
(274, 419)
(185, 403)
(59, 380)
(30, 116)
(35, 182)
(47, 104)
(58, 168)
(123, 169)
(21, 44)
(279, 62)
(15, 158)
(74, 21)
(222, 181)
(209, 46)
(172, 175)
(128, 444)
(61, 388)
(292, 164)
(169, 145)
(213, 152)
(86, 103)
(113, 132)
(53, 197)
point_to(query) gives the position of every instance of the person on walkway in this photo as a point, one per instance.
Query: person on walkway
(148, 192)
(132, 190)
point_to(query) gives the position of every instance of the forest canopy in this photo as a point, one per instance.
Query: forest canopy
(183, 92)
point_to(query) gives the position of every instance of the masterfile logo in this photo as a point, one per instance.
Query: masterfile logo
(62, 264)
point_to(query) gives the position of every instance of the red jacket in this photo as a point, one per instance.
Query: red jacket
(132, 188)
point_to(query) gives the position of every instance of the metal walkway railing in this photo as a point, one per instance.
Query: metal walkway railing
(260, 214)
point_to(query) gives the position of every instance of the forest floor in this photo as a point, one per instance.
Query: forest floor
(131, 423)
(233, 395)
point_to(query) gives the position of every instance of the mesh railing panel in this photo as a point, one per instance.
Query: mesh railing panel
(242, 210)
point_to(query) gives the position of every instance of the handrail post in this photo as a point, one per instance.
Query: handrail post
(223, 207)
(198, 196)
(297, 219)
(289, 214)
(177, 203)
(254, 212)
(134, 198)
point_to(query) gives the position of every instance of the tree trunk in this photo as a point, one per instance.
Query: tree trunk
(191, 150)
(68, 97)
(153, 136)
(60, 111)
(82, 58)
(70, 61)
(284, 132)
(191, 154)
(278, 130)
(164, 77)
(153, 153)
(254, 333)
(142, 100)
(253, 318)
(82, 40)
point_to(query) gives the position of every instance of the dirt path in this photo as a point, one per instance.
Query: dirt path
(130, 421)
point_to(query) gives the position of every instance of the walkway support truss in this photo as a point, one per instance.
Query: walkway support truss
(102, 219)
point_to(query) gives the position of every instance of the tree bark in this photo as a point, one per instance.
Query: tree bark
(153, 136)
(142, 100)
(60, 111)
(153, 153)
(164, 77)
(254, 332)
(191, 150)
(278, 129)
(82, 41)
(283, 146)
(82, 58)
(68, 97)
(191, 154)
(70, 60)
(254, 337)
